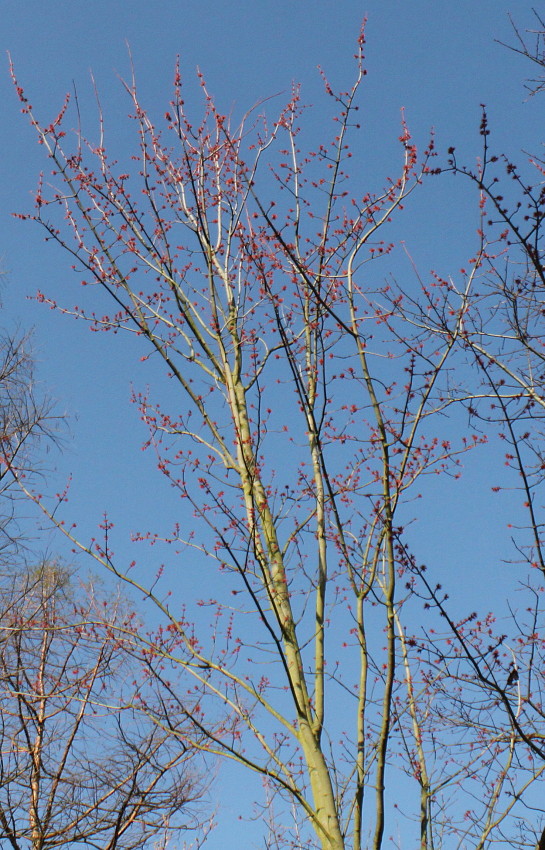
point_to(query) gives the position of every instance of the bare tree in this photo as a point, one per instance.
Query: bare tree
(531, 46)
(79, 764)
(25, 419)
(310, 405)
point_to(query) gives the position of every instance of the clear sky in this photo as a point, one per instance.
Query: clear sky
(438, 60)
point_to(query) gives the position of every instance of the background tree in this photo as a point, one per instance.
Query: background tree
(315, 402)
(79, 764)
(531, 46)
(25, 418)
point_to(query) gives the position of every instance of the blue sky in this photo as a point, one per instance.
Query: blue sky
(437, 60)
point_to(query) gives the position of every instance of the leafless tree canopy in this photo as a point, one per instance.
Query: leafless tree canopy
(25, 420)
(531, 45)
(79, 763)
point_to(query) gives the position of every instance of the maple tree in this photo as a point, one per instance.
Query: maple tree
(310, 405)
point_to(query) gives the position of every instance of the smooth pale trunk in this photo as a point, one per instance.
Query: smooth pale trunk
(322, 792)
